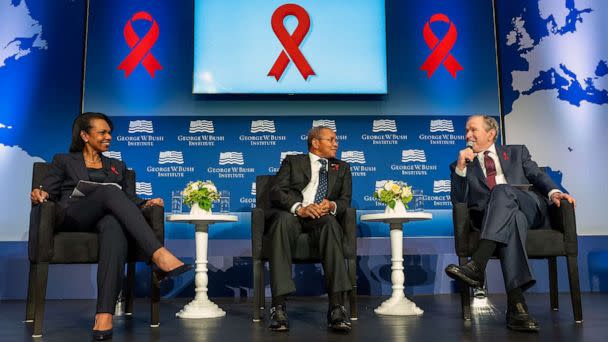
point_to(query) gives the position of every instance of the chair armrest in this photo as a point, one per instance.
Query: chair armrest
(155, 216)
(42, 229)
(257, 232)
(348, 221)
(460, 216)
(564, 220)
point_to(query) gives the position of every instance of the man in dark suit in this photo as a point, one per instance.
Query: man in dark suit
(484, 177)
(310, 190)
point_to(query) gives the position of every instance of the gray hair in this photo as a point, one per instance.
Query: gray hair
(489, 122)
(315, 133)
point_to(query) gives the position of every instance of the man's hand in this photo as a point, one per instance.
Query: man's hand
(464, 155)
(155, 201)
(557, 197)
(327, 206)
(312, 210)
(39, 196)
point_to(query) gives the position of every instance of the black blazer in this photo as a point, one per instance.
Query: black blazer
(294, 175)
(68, 168)
(518, 168)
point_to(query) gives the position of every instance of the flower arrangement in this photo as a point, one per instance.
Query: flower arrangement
(394, 191)
(203, 193)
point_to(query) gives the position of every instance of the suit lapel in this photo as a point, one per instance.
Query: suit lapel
(332, 174)
(503, 158)
(79, 167)
(306, 166)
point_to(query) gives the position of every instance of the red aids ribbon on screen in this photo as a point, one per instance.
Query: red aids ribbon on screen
(290, 43)
(441, 49)
(140, 48)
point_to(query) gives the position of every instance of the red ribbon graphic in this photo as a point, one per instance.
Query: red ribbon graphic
(290, 43)
(441, 49)
(140, 48)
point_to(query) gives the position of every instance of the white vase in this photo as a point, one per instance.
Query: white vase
(195, 210)
(398, 209)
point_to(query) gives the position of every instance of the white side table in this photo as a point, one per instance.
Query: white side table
(398, 304)
(201, 306)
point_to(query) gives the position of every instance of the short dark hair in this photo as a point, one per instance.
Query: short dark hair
(83, 123)
(315, 133)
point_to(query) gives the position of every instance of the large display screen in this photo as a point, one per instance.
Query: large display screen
(295, 47)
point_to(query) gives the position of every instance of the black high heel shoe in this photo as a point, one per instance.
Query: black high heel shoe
(160, 275)
(102, 335)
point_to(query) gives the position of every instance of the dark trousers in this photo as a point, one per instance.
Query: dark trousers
(325, 233)
(115, 218)
(509, 215)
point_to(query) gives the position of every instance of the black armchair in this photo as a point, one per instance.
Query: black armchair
(46, 246)
(559, 240)
(304, 253)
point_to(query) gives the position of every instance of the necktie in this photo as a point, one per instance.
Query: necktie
(322, 189)
(490, 170)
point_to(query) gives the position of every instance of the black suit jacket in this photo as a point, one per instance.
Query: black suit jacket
(68, 168)
(518, 168)
(294, 176)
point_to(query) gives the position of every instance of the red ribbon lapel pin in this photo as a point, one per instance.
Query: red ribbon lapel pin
(113, 169)
(504, 156)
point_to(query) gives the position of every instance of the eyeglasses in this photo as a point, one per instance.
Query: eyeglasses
(331, 140)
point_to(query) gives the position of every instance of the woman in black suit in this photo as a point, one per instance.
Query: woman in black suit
(113, 212)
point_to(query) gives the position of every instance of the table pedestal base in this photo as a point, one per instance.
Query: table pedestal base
(201, 308)
(398, 306)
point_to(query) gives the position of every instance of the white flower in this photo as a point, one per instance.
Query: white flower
(210, 187)
(388, 185)
(395, 188)
(406, 192)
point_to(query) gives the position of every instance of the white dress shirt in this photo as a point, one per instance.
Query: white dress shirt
(310, 190)
(500, 176)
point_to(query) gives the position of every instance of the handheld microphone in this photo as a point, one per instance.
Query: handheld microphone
(469, 145)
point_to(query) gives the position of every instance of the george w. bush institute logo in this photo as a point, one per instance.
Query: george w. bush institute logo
(413, 156)
(201, 126)
(384, 126)
(263, 126)
(442, 126)
(171, 157)
(141, 126)
(227, 158)
(353, 157)
(442, 185)
(143, 188)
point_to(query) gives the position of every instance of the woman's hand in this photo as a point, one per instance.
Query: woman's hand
(155, 201)
(39, 196)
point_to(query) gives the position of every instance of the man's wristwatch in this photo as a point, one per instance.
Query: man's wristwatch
(298, 207)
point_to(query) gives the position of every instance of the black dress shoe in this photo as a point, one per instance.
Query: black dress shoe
(160, 275)
(469, 273)
(278, 318)
(102, 335)
(338, 319)
(519, 319)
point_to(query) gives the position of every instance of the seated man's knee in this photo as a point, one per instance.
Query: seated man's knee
(503, 191)
(282, 220)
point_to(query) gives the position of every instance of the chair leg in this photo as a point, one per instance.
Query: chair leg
(258, 288)
(553, 293)
(352, 294)
(129, 293)
(465, 295)
(575, 289)
(154, 302)
(31, 294)
(42, 274)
